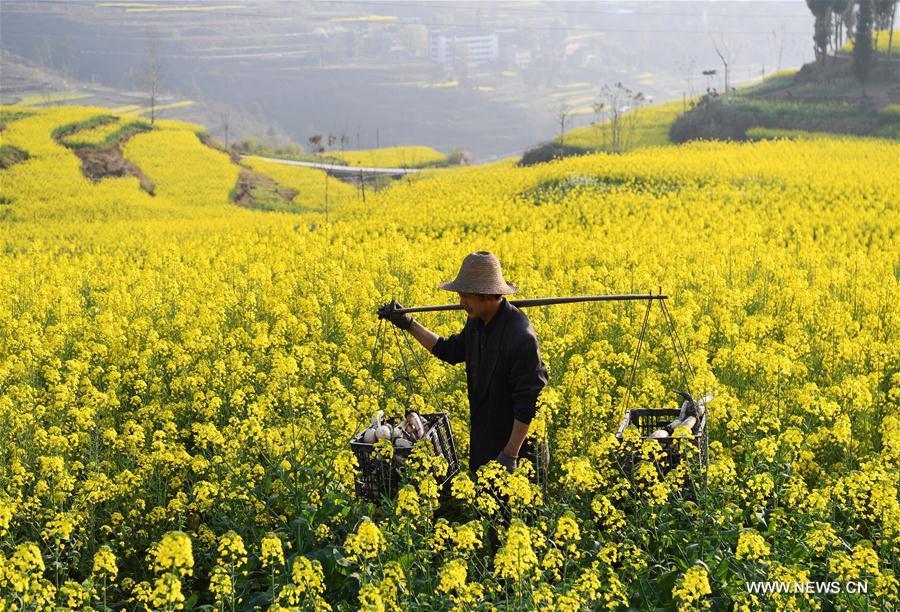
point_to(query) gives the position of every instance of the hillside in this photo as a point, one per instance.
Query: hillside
(817, 98)
(180, 376)
(74, 151)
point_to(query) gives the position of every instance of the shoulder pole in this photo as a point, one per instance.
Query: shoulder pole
(550, 301)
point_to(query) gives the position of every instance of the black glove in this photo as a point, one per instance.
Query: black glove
(402, 320)
(507, 461)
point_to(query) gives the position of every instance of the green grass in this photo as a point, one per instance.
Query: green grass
(69, 134)
(8, 116)
(83, 139)
(773, 82)
(833, 87)
(890, 131)
(780, 111)
(268, 198)
(761, 133)
(806, 116)
(891, 110)
(10, 155)
(64, 131)
(816, 117)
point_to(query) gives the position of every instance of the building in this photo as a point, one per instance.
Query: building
(445, 48)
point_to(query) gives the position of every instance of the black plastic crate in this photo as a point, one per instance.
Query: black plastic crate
(648, 420)
(377, 477)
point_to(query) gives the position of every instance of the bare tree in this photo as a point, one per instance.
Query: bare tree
(225, 122)
(686, 66)
(778, 44)
(561, 113)
(727, 56)
(616, 110)
(149, 78)
(315, 142)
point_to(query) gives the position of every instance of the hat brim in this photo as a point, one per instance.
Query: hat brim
(463, 287)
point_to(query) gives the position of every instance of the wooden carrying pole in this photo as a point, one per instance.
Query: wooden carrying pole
(548, 301)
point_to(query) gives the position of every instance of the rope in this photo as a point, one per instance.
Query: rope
(432, 394)
(676, 345)
(405, 366)
(637, 354)
(381, 354)
(375, 344)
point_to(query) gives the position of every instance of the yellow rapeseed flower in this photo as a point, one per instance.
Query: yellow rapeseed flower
(452, 576)
(271, 551)
(751, 546)
(516, 559)
(105, 563)
(174, 553)
(308, 576)
(366, 543)
(692, 586)
(408, 503)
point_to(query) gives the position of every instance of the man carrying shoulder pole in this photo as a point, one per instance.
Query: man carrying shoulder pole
(504, 370)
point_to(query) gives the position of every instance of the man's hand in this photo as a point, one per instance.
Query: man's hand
(507, 461)
(401, 320)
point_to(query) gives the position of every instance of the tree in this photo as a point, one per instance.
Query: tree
(616, 122)
(687, 65)
(561, 113)
(149, 78)
(839, 9)
(315, 142)
(726, 56)
(884, 19)
(821, 10)
(848, 22)
(225, 122)
(778, 43)
(862, 46)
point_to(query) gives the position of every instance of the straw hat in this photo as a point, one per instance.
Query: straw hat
(480, 273)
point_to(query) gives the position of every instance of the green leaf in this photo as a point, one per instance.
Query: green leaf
(190, 602)
(406, 561)
(721, 570)
(341, 559)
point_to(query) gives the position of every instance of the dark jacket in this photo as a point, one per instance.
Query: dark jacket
(504, 375)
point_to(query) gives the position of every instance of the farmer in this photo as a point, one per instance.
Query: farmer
(504, 371)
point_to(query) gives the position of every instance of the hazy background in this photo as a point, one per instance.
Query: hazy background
(481, 76)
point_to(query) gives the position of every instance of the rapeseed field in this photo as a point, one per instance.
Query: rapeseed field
(180, 377)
